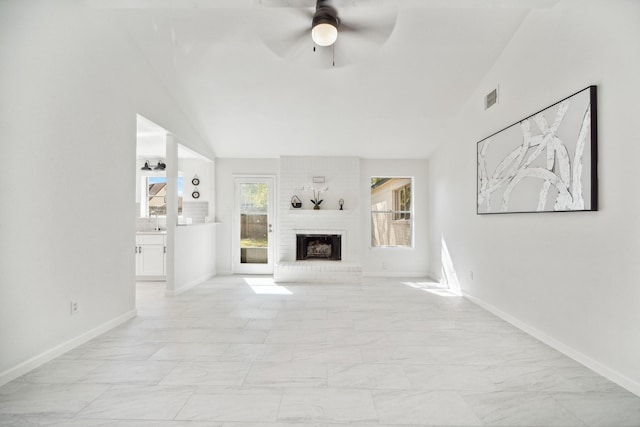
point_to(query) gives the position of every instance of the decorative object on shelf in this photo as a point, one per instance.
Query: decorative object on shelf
(341, 203)
(296, 202)
(546, 162)
(316, 195)
(195, 180)
(196, 193)
(146, 166)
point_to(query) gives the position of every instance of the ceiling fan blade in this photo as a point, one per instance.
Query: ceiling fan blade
(364, 26)
(342, 4)
(312, 3)
(374, 24)
(288, 3)
(289, 45)
(304, 13)
(281, 29)
(374, 35)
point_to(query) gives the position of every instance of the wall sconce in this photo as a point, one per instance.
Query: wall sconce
(159, 167)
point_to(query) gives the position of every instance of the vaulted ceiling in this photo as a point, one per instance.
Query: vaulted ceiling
(246, 74)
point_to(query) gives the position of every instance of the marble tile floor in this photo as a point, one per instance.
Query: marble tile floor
(243, 352)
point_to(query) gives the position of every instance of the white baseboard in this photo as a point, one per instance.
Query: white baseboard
(594, 365)
(151, 278)
(39, 360)
(190, 284)
(224, 273)
(414, 275)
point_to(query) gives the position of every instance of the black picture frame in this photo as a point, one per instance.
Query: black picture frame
(546, 162)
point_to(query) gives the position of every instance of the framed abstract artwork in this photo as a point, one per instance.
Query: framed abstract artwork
(546, 162)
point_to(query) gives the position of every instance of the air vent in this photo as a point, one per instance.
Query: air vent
(491, 99)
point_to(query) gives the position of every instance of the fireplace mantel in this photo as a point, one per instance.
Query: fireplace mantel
(319, 212)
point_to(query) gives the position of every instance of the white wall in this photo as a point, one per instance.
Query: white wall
(195, 245)
(195, 256)
(203, 168)
(224, 171)
(569, 278)
(411, 262)
(71, 87)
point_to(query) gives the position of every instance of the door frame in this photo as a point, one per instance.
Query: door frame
(236, 265)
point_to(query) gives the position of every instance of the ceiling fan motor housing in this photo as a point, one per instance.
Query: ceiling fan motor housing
(324, 26)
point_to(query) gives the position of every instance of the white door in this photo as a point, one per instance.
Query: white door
(254, 236)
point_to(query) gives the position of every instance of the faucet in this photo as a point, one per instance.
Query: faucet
(157, 227)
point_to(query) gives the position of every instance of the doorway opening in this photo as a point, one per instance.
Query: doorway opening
(254, 223)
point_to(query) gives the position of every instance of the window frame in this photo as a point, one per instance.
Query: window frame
(400, 202)
(145, 197)
(399, 217)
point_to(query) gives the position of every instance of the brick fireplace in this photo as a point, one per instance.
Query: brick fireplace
(328, 236)
(318, 247)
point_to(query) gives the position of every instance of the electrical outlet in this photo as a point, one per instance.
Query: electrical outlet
(74, 307)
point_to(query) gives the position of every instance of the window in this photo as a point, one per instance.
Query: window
(391, 218)
(402, 203)
(155, 202)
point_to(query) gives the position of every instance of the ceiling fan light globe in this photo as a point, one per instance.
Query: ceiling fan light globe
(324, 34)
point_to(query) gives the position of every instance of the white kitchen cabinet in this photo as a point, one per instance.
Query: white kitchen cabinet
(151, 255)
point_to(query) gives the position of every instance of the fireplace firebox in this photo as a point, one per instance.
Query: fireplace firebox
(318, 247)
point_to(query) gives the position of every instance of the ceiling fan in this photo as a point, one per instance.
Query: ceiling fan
(325, 24)
(333, 33)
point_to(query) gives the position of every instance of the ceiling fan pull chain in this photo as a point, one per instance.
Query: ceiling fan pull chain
(333, 54)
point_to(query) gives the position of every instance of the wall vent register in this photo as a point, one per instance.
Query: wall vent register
(491, 99)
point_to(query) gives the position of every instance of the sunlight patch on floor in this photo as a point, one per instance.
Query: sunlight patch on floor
(449, 275)
(433, 288)
(266, 286)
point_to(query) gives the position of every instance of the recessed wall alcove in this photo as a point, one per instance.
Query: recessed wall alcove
(322, 247)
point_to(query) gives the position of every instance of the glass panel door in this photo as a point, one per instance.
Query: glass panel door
(254, 226)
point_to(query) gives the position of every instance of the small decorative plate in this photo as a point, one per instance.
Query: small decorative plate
(195, 194)
(195, 180)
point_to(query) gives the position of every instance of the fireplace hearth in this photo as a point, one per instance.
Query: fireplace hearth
(318, 247)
